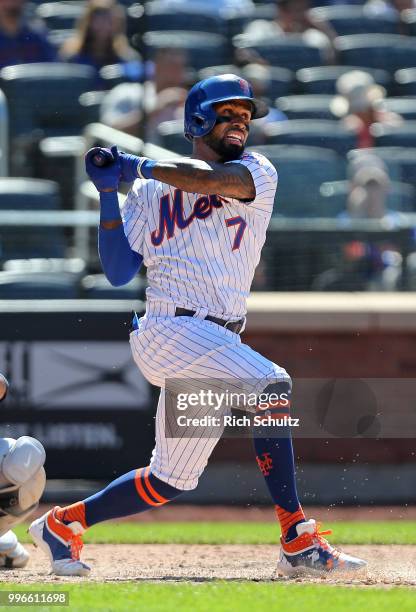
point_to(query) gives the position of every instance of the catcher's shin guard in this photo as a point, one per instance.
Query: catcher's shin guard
(12, 553)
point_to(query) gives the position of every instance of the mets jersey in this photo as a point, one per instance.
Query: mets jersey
(200, 250)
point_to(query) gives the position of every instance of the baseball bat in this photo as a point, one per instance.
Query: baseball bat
(102, 158)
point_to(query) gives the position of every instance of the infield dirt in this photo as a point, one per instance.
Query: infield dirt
(391, 565)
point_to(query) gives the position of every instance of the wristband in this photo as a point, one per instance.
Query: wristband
(145, 168)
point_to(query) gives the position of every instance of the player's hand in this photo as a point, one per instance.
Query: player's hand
(107, 177)
(129, 165)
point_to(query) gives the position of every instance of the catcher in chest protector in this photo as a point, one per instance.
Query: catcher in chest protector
(22, 482)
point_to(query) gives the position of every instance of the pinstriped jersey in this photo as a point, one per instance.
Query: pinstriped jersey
(201, 250)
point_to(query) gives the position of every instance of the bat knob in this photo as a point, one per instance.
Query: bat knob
(102, 158)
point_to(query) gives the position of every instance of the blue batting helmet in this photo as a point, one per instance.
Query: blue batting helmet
(200, 116)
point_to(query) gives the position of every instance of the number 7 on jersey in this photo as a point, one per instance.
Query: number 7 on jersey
(239, 221)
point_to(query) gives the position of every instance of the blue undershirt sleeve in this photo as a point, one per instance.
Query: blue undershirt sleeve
(120, 264)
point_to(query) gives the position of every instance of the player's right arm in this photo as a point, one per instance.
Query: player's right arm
(120, 263)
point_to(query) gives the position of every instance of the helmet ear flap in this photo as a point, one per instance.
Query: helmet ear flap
(197, 125)
(202, 122)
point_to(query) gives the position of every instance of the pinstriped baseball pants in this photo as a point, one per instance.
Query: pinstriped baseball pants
(191, 348)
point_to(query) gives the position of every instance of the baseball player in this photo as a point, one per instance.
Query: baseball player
(199, 225)
(22, 481)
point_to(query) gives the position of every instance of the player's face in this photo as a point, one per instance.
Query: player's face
(229, 136)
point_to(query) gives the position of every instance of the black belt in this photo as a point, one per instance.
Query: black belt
(234, 326)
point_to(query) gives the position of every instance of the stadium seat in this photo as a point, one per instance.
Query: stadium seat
(172, 137)
(61, 18)
(58, 156)
(91, 102)
(45, 97)
(406, 81)
(316, 133)
(323, 79)
(204, 48)
(96, 286)
(69, 265)
(37, 285)
(210, 71)
(30, 194)
(115, 74)
(400, 136)
(409, 19)
(401, 198)
(406, 107)
(58, 37)
(348, 20)
(23, 242)
(305, 107)
(235, 23)
(60, 15)
(280, 84)
(301, 172)
(290, 51)
(134, 25)
(400, 161)
(158, 17)
(391, 51)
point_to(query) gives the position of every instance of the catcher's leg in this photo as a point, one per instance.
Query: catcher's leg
(12, 553)
(22, 481)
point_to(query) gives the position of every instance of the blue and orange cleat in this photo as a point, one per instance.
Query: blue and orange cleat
(62, 543)
(310, 553)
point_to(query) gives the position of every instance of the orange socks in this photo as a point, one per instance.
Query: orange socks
(74, 512)
(288, 520)
(134, 492)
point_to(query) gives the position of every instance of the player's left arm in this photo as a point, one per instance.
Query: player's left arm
(196, 176)
(231, 180)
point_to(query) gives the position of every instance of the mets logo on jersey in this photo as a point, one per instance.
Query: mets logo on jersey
(172, 215)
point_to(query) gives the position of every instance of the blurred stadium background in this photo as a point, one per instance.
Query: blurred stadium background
(333, 295)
